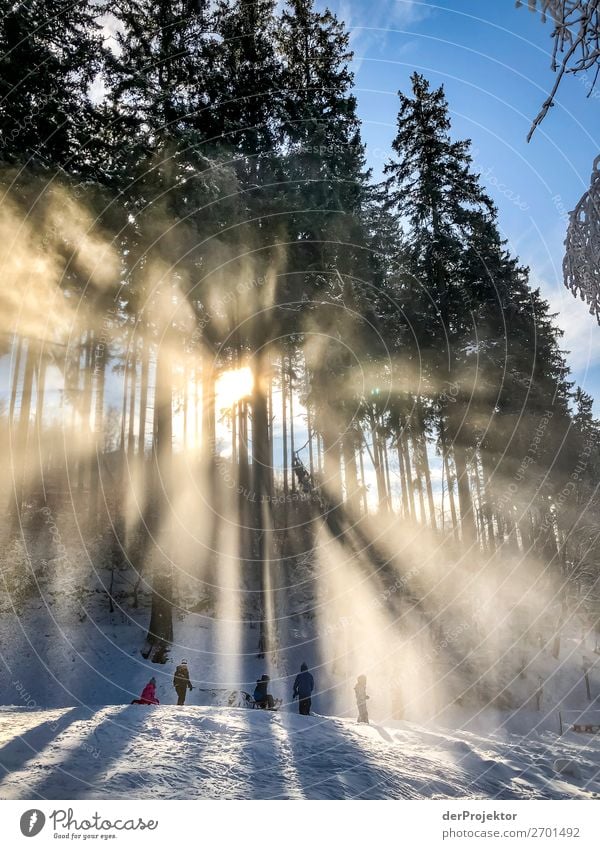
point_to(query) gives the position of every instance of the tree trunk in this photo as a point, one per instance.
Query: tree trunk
(450, 486)
(86, 410)
(284, 425)
(363, 481)
(20, 466)
(311, 464)
(292, 440)
(408, 469)
(144, 377)
(350, 475)
(261, 494)
(402, 472)
(487, 496)
(418, 471)
(243, 462)
(99, 359)
(196, 407)
(132, 394)
(425, 464)
(386, 469)
(42, 365)
(185, 402)
(208, 407)
(160, 630)
(377, 463)
(124, 408)
(15, 378)
(464, 495)
(234, 436)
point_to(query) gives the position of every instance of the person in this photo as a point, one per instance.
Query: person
(303, 687)
(148, 696)
(262, 698)
(181, 682)
(360, 689)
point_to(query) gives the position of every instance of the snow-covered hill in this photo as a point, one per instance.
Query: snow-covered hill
(69, 668)
(206, 752)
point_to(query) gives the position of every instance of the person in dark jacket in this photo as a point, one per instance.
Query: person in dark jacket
(181, 682)
(262, 697)
(303, 687)
(360, 690)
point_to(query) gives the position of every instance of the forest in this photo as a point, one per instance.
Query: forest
(227, 348)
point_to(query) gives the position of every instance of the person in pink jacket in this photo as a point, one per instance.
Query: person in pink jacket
(148, 696)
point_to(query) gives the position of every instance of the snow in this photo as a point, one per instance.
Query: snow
(167, 752)
(67, 730)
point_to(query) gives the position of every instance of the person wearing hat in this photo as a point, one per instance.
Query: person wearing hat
(303, 687)
(148, 696)
(181, 682)
(262, 697)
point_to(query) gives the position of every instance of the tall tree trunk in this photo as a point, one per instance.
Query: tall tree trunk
(86, 410)
(124, 408)
(386, 470)
(408, 469)
(271, 414)
(418, 471)
(477, 511)
(350, 474)
(132, 394)
(262, 494)
(425, 464)
(234, 435)
(20, 466)
(309, 430)
(402, 472)
(487, 496)
(284, 425)
(377, 463)
(196, 407)
(185, 402)
(243, 461)
(292, 440)
(144, 377)
(363, 482)
(160, 630)
(319, 454)
(450, 485)
(464, 495)
(99, 359)
(15, 378)
(40, 380)
(208, 407)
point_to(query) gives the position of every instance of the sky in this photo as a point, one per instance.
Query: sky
(494, 62)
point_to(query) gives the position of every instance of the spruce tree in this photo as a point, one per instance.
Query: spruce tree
(50, 53)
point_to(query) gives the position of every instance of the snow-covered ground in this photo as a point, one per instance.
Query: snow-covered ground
(167, 752)
(68, 671)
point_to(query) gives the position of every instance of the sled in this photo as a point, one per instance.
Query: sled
(253, 705)
(586, 727)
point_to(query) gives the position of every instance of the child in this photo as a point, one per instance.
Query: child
(262, 697)
(360, 688)
(148, 696)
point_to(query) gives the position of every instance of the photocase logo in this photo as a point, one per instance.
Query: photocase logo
(32, 822)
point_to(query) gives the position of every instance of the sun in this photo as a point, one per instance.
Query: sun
(232, 386)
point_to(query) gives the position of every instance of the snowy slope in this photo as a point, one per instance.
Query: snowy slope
(203, 752)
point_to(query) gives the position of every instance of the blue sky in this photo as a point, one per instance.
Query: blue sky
(494, 62)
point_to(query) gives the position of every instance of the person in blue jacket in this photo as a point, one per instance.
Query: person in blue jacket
(303, 687)
(262, 697)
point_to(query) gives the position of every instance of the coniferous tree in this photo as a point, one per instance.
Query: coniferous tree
(50, 55)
